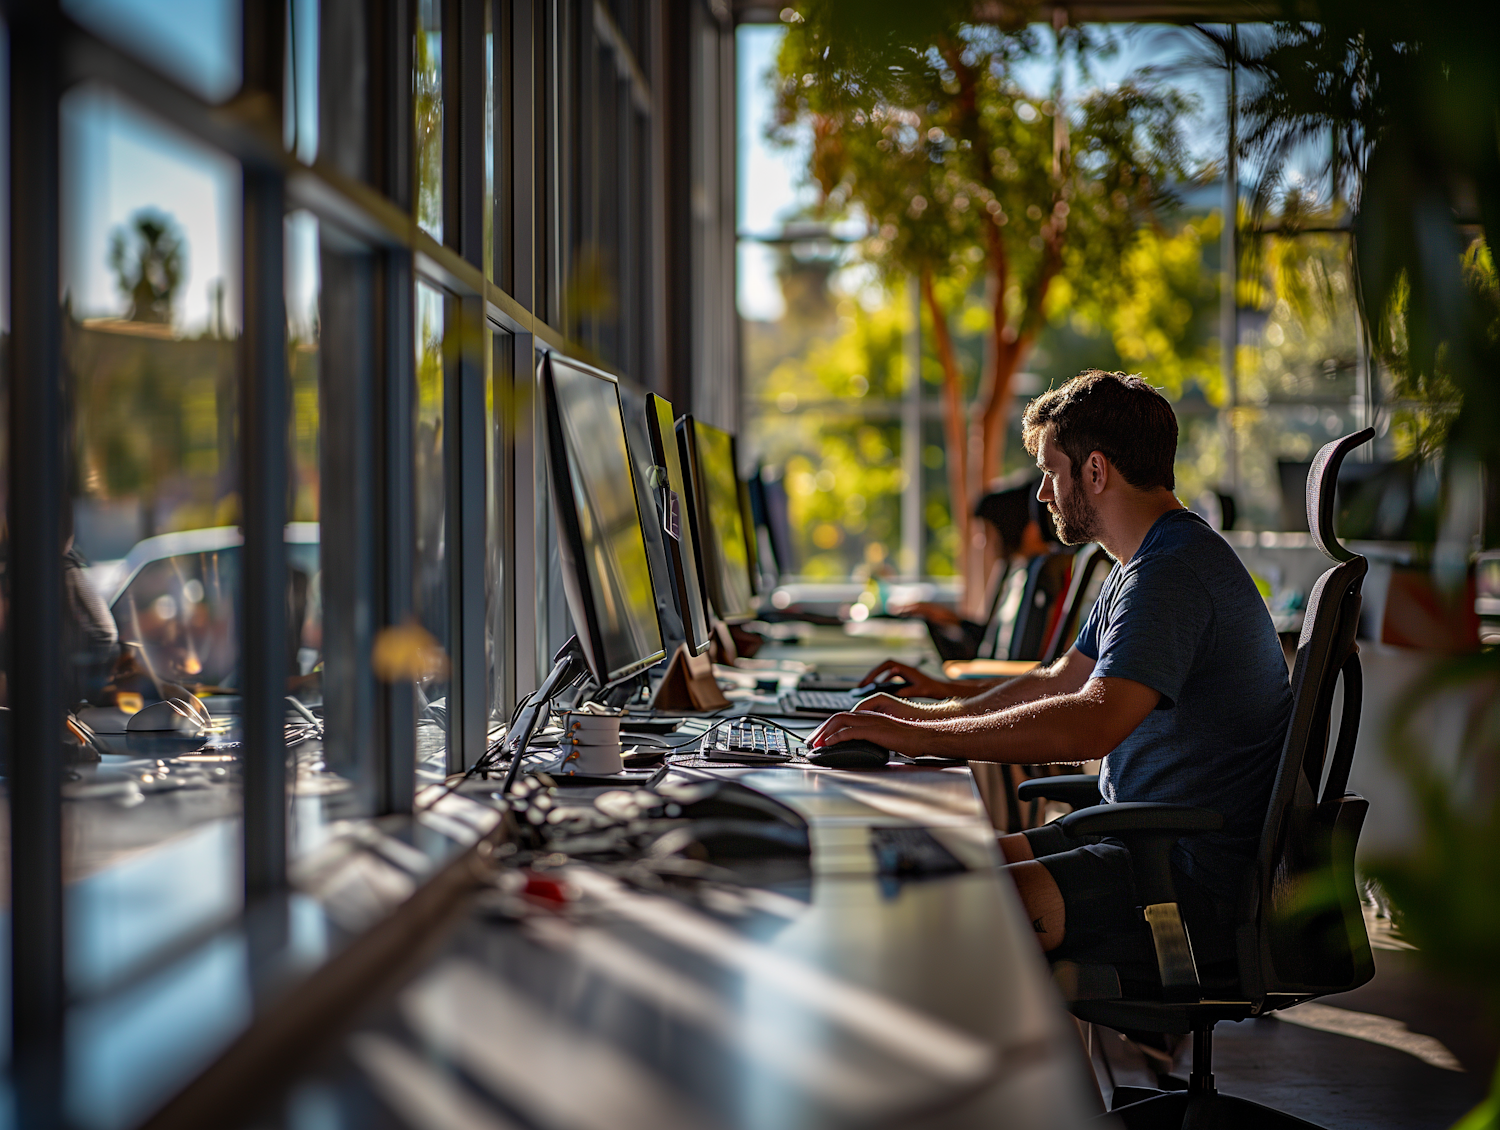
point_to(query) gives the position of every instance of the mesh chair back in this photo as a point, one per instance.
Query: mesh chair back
(1091, 565)
(1046, 581)
(1302, 930)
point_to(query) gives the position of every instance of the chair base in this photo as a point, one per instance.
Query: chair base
(1141, 1108)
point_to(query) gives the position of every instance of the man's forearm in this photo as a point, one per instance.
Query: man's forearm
(1046, 730)
(1040, 683)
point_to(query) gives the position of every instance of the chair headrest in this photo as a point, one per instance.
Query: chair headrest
(1322, 486)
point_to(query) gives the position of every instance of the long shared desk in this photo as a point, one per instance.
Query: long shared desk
(827, 995)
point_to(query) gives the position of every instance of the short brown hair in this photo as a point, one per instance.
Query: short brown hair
(1121, 416)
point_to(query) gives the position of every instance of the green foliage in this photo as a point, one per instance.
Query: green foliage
(1159, 308)
(958, 171)
(427, 106)
(1410, 95)
(1432, 398)
(148, 266)
(829, 417)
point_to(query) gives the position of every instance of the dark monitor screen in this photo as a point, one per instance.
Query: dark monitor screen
(747, 524)
(605, 571)
(725, 556)
(675, 502)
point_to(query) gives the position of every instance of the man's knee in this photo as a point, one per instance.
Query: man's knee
(1015, 848)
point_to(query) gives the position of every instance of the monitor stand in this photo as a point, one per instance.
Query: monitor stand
(567, 665)
(689, 684)
(721, 646)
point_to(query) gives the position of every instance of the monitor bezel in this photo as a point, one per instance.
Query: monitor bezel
(676, 559)
(571, 550)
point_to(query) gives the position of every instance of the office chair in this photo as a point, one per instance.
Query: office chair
(1299, 931)
(1091, 565)
(1047, 580)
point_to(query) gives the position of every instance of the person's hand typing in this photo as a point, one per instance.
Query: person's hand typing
(918, 683)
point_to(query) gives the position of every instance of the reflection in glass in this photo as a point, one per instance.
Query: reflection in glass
(427, 103)
(196, 42)
(431, 494)
(489, 140)
(318, 795)
(495, 387)
(150, 262)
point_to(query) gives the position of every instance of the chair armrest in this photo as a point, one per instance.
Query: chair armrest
(1130, 819)
(1081, 790)
(1150, 831)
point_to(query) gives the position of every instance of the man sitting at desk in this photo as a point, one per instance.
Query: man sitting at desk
(1177, 681)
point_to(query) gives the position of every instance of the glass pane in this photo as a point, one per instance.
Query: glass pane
(427, 101)
(489, 141)
(150, 264)
(318, 795)
(497, 387)
(431, 499)
(196, 42)
(300, 110)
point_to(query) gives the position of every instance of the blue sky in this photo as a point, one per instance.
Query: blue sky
(117, 161)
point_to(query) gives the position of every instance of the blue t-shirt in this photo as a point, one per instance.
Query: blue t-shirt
(1184, 618)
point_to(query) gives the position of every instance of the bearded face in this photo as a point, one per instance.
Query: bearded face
(1074, 515)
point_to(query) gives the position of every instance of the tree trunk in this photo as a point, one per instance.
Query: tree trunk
(953, 428)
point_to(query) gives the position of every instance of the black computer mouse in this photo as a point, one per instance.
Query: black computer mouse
(889, 686)
(857, 753)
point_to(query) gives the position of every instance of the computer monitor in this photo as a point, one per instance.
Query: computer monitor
(606, 575)
(769, 506)
(747, 524)
(721, 529)
(648, 471)
(675, 501)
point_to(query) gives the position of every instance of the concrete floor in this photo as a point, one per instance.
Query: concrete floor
(1339, 1081)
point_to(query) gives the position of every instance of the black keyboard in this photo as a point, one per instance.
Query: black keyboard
(817, 702)
(747, 742)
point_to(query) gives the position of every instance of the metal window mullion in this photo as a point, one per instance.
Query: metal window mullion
(37, 494)
(395, 400)
(503, 515)
(677, 99)
(467, 123)
(525, 587)
(393, 170)
(263, 487)
(263, 406)
(348, 483)
(392, 155)
(519, 223)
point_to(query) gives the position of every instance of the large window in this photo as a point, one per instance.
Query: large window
(151, 550)
(274, 411)
(843, 384)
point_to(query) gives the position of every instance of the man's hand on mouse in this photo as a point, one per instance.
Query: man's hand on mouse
(918, 684)
(892, 733)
